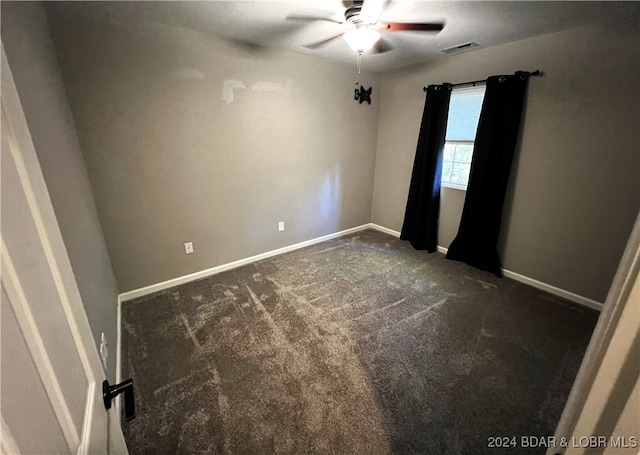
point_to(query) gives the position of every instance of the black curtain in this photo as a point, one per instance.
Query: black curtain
(420, 225)
(476, 242)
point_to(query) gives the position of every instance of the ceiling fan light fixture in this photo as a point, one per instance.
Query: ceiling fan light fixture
(361, 39)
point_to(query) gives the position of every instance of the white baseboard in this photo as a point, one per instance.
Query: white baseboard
(545, 287)
(232, 265)
(553, 290)
(377, 227)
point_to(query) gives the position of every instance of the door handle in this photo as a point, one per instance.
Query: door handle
(109, 392)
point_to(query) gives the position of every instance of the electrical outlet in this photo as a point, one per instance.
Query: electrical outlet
(104, 350)
(281, 226)
(188, 247)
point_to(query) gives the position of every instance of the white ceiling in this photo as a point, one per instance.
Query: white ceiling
(261, 25)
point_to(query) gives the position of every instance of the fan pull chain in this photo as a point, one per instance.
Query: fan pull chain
(359, 61)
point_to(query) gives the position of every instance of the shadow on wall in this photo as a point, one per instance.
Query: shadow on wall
(507, 208)
(330, 199)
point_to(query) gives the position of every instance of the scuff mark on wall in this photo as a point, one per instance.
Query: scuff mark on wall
(263, 86)
(228, 87)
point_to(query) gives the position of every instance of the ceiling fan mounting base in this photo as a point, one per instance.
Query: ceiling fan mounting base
(352, 13)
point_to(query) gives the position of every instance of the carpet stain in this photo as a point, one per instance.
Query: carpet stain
(358, 345)
(484, 284)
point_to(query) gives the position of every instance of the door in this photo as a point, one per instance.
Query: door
(50, 372)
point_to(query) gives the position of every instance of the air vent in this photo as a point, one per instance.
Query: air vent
(459, 48)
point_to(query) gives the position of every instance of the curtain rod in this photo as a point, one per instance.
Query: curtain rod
(460, 84)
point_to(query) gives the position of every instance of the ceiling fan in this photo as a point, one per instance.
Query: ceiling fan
(364, 27)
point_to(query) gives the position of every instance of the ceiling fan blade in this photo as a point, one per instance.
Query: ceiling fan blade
(381, 46)
(372, 10)
(318, 44)
(406, 27)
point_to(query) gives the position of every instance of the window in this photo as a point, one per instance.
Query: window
(464, 113)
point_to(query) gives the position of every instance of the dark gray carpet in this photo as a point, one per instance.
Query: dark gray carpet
(359, 345)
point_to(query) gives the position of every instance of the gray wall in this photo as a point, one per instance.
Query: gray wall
(171, 161)
(575, 186)
(31, 56)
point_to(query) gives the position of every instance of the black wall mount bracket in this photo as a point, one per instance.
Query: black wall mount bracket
(362, 94)
(109, 392)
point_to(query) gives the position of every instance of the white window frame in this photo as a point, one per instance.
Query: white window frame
(453, 186)
(457, 186)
